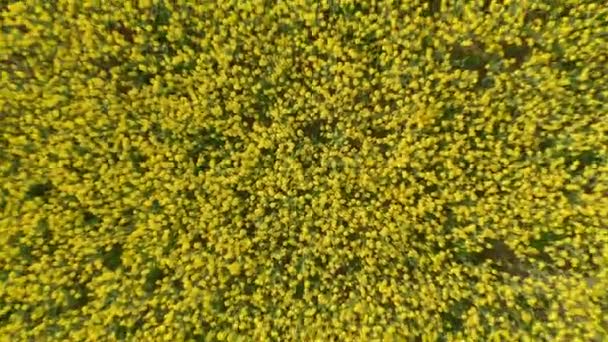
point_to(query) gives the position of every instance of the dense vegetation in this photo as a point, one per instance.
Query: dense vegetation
(304, 170)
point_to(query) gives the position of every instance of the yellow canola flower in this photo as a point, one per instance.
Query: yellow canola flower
(296, 170)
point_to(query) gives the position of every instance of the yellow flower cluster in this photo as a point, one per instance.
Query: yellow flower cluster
(304, 170)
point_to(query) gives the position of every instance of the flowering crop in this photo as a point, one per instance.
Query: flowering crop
(303, 170)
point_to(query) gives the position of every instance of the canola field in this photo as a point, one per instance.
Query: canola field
(298, 170)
